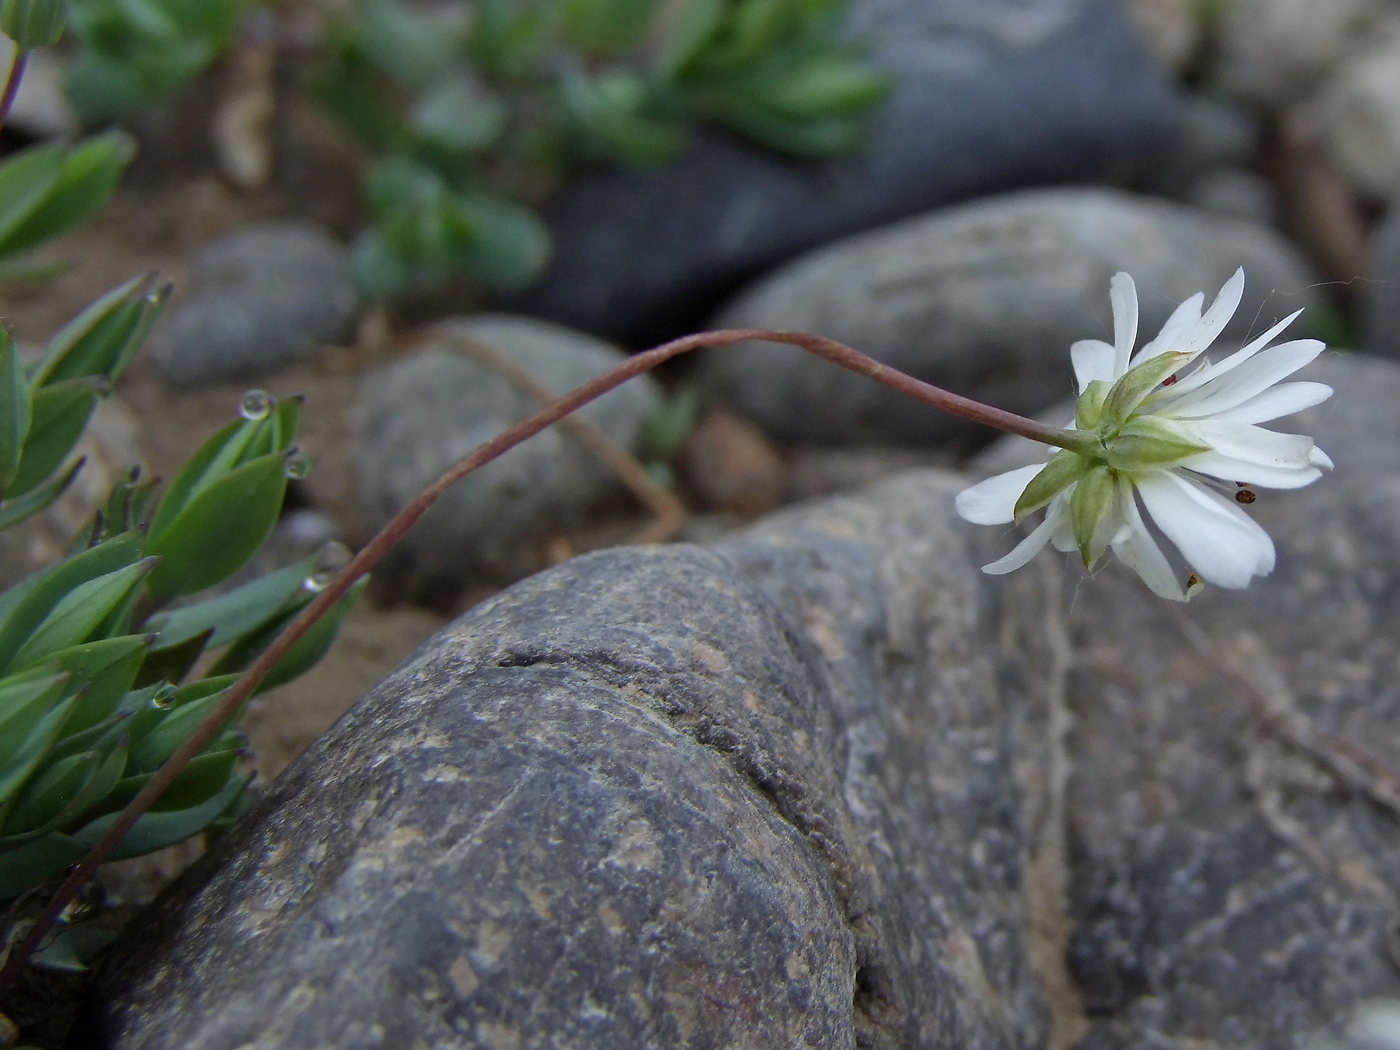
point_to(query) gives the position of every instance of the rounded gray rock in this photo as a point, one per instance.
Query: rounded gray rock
(1383, 287)
(417, 416)
(983, 299)
(257, 300)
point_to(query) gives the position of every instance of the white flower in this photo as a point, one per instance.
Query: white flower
(1152, 434)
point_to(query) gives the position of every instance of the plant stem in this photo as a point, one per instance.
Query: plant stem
(390, 534)
(12, 79)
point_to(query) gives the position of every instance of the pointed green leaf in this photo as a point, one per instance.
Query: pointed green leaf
(693, 26)
(1063, 470)
(160, 743)
(26, 178)
(14, 511)
(215, 458)
(72, 948)
(15, 412)
(826, 85)
(30, 754)
(79, 612)
(238, 612)
(158, 829)
(61, 414)
(72, 339)
(108, 667)
(47, 793)
(23, 701)
(35, 863)
(90, 172)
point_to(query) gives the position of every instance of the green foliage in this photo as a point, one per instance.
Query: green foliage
(33, 23)
(479, 108)
(134, 54)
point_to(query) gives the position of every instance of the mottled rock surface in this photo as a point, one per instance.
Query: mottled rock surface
(257, 300)
(417, 415)
(983, 299)
(987, 97)
(826, 785)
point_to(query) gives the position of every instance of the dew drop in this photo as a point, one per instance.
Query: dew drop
(256, 404)
(330, 559)
(297, 463)
(163, 699)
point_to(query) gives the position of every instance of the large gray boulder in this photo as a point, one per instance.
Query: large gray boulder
(983, 299)
(826, 785)
(987, 97)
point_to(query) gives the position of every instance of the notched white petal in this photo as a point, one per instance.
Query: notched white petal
(1023, 552)
(1222, 543)
(1122, 294)
(1092, 359)
(993, 502)
(1276, 402)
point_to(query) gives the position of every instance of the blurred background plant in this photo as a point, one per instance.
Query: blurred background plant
(111, 656)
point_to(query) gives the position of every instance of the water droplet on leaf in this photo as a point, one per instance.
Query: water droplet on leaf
(330, 559)
(256, 404)
(163, 699)
(297, 464)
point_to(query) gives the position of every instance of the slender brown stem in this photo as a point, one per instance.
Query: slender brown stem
(12, 79)
(390, 534)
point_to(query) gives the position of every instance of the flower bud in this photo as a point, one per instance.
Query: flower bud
(33, 23)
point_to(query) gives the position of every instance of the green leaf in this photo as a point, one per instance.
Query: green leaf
(26, 178)
(23, 701)
(695, 23)
(65, 344)
(72, 948)
(30, 754)
(89, 174)
(826, 85)
(510, 244)
(603, 26)
(35, 863)
(156, 830)
(198, 782)
(30, 601)
(107, 346)
(160, 743)
(170, 663)
(303, 655)
(460, 116)
(16, 412)
(219, 529)
(238, 612)
(214, 459)
(108, 667)
(12, 512)
(60, 415)
(47, 794)
(79, 612)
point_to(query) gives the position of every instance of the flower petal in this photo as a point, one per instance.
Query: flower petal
(1253, 455)
(1138, 550)
(1204, 375)
(1320, 459)
(1239, 385)
(1024, 551)
(1277, 401)
(1122, 295)
(993, 502)
(1092, 359)
(1183, 317)
(1214, 320)
(1222, 543)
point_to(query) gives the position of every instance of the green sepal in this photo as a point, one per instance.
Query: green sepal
(303, 655)
(16, 412)
(1088, 409)
(1136, 383)
(1063, 469)
(33, 23)
(12, 512)
(79, 612)
(28, 603)
(60, 415)
(1148, 441)
(35, 863)
(219, 529)
(1092, 513)
(160, 828)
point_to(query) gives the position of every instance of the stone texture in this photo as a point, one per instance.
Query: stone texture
(983, 299)
(988, 96)
(1275, 51)
(1382, 289)
(1359, 121)
(259, 299)
(758, 796)
(418, 415)
(827, 784)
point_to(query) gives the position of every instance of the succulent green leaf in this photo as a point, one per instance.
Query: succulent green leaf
(160, 743)
(26, 605)
(304, 654)
(239, 612)
(460, 116)
(1136, 383)
(16, 412)
(509, 245)
(693, 26)
(35, 863)
(1093, 513)
(23, 701)
(1063, 470)
(219, 529)
(160, 828)
(108, 668)
(74, 339)
(171, 663)
(60, 415)
(601, 26)
(1148, 441)
(826, 85)
(62, 792)
(198, 782)
(79, 612)
(12, 512)
(72, 948)
(30, 753)
(26, 178)
(215, 458)
(89, 174)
